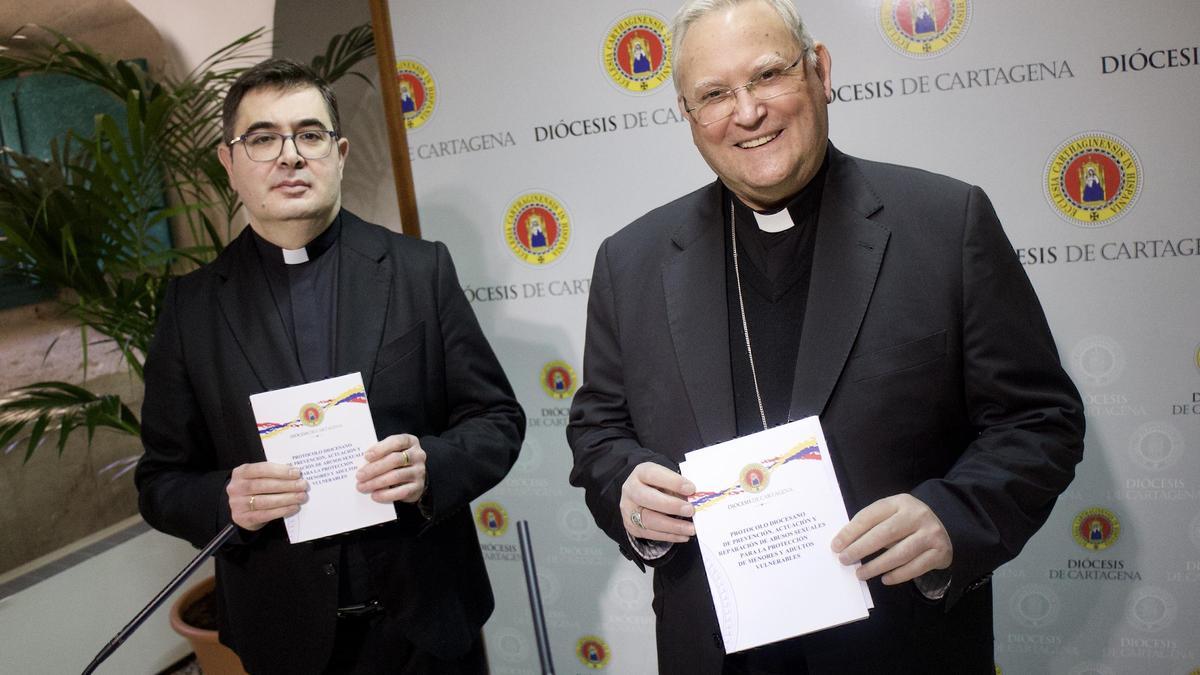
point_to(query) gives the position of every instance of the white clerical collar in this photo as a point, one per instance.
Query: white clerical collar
(294, 256)
(774, 222)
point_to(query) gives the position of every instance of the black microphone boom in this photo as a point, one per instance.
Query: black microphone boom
(159, 599)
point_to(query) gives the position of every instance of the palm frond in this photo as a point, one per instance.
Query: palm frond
(65, 406)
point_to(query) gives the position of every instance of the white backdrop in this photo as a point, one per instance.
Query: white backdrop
(534, 111)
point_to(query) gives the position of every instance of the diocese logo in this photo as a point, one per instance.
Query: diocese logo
(1096, 529)
(537, 228)
(1098, 360)
(923, 28)
(558, 380)
(637, 53)
(1092, 179)
(1151, 609)
(418, 95)
(1035, 606)
(754, 478)
(491, 518)
(592, 652)
(1156, 446)
(311, 414)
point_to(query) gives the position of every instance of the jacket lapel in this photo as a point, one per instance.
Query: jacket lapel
(364, 298)
(249, 311)
(694, 286)
(846, 260)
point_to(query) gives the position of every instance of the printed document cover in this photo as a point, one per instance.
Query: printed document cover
(322, 428)
(767, 507)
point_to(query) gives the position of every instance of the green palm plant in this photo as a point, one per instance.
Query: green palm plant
(84, 219)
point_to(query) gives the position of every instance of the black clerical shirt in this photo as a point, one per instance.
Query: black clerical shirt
(303, 284)
(775, 270)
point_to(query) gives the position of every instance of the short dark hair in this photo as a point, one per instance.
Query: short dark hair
(279, 74)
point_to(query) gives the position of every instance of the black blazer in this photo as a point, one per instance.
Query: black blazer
(404, 323)
(926, 354)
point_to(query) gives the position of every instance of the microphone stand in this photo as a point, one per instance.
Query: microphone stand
(535, 599)
(159, 599)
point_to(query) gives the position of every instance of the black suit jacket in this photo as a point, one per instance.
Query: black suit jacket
(404, 323)
(924, 351)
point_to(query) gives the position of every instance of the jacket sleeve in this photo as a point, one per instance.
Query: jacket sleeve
(1027, 414)
(601, 434)
(485, 425)
(181, 491)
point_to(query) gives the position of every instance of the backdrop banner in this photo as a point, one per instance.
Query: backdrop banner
(539, 128)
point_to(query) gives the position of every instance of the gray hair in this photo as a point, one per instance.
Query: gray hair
(694, 10)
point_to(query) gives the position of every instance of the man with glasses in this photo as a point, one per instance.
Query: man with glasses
(886, 300)
(306, 292)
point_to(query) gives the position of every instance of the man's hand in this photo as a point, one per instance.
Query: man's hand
(656, 494)
(263, 491)
(395, 470)
(915, 539)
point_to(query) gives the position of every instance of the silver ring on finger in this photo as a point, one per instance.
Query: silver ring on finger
(635, 517)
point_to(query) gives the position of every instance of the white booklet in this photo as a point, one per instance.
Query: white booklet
(322, 428)
(767, 507)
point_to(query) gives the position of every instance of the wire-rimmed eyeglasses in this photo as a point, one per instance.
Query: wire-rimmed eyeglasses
(717, 103)
(267, 146)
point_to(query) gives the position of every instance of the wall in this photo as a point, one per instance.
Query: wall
(51, 501)
(518, 106)
(367, 185)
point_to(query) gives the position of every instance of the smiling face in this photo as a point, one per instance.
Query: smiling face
(291, 199)
(766, 151)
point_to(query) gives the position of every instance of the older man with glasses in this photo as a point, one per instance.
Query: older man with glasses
(309, 291)
(886, 300)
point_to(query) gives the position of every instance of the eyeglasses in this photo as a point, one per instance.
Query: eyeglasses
(718, 103)
(267, 146)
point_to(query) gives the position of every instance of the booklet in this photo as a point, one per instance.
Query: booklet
(767, 507)
(322, 428)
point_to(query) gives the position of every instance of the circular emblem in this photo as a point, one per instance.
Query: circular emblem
(549, 587)
(418, 95)
(629, 592)
(575, 522)
(1096, 529)
(1151, 609)
(531, 458)
(1092, 179)
(1035, 606)
(923, 28)
(537, 228)
(311, 414)
(637, 53)
(754, 478)
(592, 652)
(491, 518)
(1156, 445)
(511, 645)
(558, 380)
(1098, 360)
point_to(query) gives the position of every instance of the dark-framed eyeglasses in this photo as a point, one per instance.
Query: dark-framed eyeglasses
(717, 103)
(267, 146)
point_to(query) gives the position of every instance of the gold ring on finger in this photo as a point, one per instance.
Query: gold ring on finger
(252, 501)
(403, 458)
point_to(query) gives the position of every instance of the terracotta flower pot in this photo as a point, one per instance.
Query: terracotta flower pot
(214, 658)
